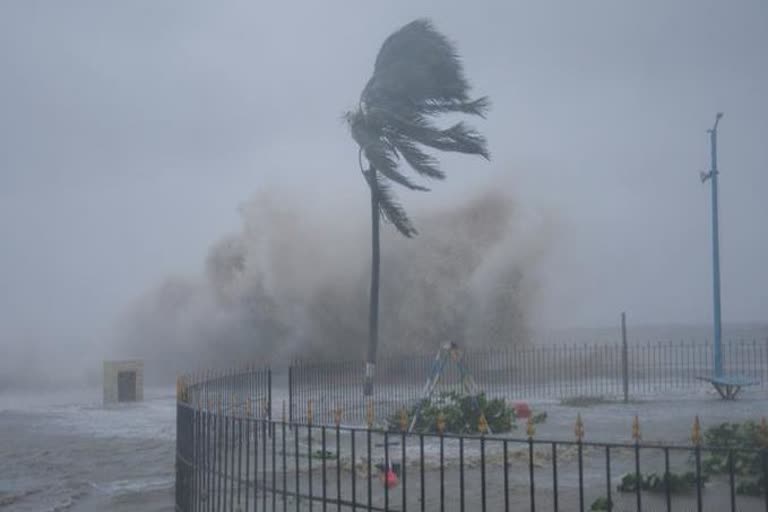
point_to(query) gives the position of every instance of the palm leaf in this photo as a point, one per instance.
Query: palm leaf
(388, 204)
(417, 75)
(379, 152)
(419, 63)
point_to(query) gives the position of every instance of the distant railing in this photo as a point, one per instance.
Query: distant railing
(238, 458)
(547, 372)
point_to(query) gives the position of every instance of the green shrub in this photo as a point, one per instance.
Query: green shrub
(653, 482)
(601, 504)
(746, 440)
(461, 414)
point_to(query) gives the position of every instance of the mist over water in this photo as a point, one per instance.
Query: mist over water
(294, 283)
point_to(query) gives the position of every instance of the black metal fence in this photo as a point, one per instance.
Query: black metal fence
(247, 389)
(237, 458)
(549, 372)
(242, 392)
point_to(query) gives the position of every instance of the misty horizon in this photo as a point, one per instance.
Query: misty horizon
(137, 137)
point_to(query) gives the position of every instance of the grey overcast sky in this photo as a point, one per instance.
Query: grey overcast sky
(131, 130)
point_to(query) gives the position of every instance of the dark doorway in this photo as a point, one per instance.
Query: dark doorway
(126, 386)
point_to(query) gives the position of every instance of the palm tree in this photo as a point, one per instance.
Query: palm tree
(417, 76)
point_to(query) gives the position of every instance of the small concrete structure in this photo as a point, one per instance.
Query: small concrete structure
(123, 381)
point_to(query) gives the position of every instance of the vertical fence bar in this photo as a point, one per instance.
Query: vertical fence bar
(285, 468)
(338, 461)
(386, 470)
(290, 393)
(269, 395)
(220, 420)
(554, 477)
(670, 364)
(588, 369)
(403, 468)
(264, 488)
(324, 476)
(309, 461)
(755, 360)
(532, 481)
(247, 460)
(461, 473)
(506, 476)
(697, 455)
(239, 459)
(581, 475)
(296, 466)
(561, 374)
(667, 481)
(354, 462)
(442, 473)
(638, 479)
(483, 499)
(731, 480)
(198, 446)
(608, 488)
(370, 487)
(273, 436)
(421, 471)
(210, 458)
(232, 464)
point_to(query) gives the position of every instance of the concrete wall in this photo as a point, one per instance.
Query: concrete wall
(111, 371)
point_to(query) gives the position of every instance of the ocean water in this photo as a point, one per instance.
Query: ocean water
(65, 451)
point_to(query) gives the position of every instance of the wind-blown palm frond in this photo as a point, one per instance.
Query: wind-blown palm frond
(379, 152)
(388, 205)
(417, 75)
(420, 64)
(421, 162)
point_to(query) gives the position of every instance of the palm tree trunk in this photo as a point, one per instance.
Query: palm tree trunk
(373, 311)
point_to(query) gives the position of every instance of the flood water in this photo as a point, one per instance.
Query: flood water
(65, 451)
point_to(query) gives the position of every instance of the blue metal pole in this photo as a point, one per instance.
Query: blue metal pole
(718, 355)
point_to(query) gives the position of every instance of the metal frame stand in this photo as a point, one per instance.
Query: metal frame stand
(447, 352)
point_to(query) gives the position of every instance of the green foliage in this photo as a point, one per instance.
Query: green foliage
(583, 401)
(653, 482)
(744, 442)
(754, 487)
(461, 414)
(601, 504)
(320, 454)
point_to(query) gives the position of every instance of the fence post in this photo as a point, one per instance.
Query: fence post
(624, 357)
(290, 394)
(269, 394)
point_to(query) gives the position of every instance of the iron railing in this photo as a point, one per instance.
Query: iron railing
(238, 458)
(547, 372)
